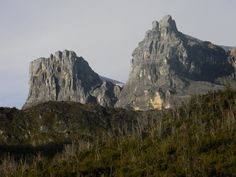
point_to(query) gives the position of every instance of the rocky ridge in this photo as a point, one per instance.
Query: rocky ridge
(167, 68)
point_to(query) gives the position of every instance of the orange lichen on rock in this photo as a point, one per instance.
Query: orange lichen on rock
(157, 102)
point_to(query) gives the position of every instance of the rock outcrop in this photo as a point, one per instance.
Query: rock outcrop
(67, 77)
(169, 66)
(232, 52)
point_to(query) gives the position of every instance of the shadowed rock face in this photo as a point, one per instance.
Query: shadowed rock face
(67, 77)
(168, 67)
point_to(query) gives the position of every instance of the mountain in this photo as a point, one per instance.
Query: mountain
(56, 135)
(168, 67)
(66, 77)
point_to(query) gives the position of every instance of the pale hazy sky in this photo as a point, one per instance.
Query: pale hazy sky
(104, 32)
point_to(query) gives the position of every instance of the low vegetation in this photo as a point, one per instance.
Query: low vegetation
(197, 139)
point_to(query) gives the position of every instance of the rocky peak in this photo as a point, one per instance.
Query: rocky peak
(66, 77)
(155, 25)
(168, 23)
(169, 66)
(65, 54)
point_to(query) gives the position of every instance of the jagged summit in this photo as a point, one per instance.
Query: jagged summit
(66, 77)
(165, 22)
(169, 66)
(168, 22)
(64, 54)
(155, 25)
(59, 55)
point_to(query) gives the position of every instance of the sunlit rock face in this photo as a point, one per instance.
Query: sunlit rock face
(233, 52)
(66, 77)
(169, 66)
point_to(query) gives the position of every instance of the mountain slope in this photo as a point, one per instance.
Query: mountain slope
(197, 139)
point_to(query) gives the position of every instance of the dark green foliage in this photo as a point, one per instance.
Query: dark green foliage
(195, 140)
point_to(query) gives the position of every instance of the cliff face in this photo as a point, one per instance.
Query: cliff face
(67, 77)
(168, 67)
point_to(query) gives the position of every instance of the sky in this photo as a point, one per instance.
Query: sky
(103, 32)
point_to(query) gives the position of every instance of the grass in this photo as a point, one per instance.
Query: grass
(197, 139)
